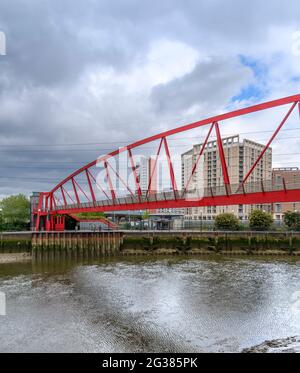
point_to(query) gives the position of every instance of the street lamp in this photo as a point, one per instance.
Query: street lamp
(201, 213)
(1, 219)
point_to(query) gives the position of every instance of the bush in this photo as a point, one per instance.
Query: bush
(292, 220)
(227, 222)
(260, 220)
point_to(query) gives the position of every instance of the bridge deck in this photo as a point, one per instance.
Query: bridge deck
(252, 193)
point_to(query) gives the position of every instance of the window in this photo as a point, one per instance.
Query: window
(278, 207)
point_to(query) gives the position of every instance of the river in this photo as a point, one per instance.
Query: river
(157, 304)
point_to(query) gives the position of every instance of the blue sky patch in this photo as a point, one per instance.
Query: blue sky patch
(257, 89)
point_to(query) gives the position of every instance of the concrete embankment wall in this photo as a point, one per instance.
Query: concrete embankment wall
(205, 243)
(97, 244)
(15, 242)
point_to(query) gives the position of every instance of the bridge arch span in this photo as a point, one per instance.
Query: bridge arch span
(83, 191)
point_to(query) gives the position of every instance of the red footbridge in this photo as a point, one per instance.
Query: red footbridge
(85, 191)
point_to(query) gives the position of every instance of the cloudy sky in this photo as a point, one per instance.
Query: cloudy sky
(81, 77)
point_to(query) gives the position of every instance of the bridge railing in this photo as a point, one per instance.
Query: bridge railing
(193, 194)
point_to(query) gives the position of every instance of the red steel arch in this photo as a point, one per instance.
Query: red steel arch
(61, 200)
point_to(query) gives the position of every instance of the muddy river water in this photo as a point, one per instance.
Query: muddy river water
(157, 304)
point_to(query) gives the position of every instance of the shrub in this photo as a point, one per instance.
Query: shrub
(227, 222)
(292, 220)
(260, 220)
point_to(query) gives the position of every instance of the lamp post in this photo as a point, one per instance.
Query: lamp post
(1, 220)
(201, 221)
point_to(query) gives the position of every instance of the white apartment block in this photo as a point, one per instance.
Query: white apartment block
(145, 170)
(144, 173)
(240, 156)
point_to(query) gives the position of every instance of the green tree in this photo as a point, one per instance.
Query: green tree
(227, 222)
(146, 215)
(292, 220)
(260, 220)
(15, 212)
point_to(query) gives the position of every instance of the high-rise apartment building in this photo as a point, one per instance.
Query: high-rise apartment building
(288, 176)
(145, 169)
(240, 156)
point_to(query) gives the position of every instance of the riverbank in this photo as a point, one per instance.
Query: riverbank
(127, 243)
(286, 345)
(210, 243)
(14, 257)
(203, 252)
(15, 242)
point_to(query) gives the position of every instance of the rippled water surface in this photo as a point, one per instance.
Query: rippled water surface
(152, 305)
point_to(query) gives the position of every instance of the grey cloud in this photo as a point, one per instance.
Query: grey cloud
(211, 83)
(53, 41)
(53, 44)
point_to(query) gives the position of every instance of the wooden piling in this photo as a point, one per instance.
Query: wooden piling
(71, 245)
